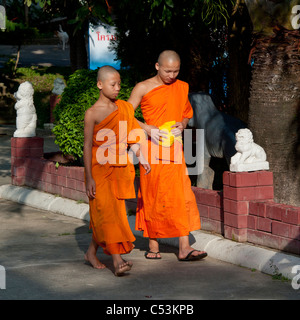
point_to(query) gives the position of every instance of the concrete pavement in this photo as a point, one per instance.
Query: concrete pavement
(42, 253)
(43, 239)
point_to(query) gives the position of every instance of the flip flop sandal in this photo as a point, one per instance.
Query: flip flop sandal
(190, 257)
(153, 258)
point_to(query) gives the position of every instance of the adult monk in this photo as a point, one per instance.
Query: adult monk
(108, 171)
(166, 203)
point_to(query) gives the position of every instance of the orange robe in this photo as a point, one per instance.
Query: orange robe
(114, 181)
(166, 203)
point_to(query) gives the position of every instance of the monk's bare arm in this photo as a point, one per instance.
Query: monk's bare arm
(137, 94)
(135, 99)
(137, 151)
(185, 122)
(89, 123)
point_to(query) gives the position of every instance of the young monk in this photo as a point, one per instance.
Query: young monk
(166, 204)
(108, 171)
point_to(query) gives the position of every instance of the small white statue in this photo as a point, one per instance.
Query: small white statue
(63, 37)
(58, 86)
(250, 156)
(26, 114)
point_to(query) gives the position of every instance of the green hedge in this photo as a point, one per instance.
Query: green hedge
(80, 94)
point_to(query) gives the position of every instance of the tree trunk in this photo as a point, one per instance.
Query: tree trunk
(274, 110)
(78, 52)
(26, 10)
(239, 75)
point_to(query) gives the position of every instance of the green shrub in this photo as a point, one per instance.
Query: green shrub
(80, 94)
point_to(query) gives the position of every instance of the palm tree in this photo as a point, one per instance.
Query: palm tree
(274, 104)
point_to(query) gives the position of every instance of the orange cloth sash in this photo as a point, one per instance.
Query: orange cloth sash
(114, 181)
(166, 203)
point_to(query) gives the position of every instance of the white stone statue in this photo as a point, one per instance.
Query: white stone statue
(58, 86)
(63, 37)
(249, 156)
(26, 115)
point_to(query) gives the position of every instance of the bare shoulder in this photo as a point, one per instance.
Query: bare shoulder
(141, 88)
(137, 94)
(94, 114)
(89, 113)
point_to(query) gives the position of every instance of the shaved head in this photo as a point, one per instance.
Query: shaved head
(168, 56)
(104, 71)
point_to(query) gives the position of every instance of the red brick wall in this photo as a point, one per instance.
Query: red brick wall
(29, 168)
(244, 211)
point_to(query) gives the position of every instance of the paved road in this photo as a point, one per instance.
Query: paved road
(42, 253)
(41, 55)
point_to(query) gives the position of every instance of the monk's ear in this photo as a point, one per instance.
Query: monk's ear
(99, 85)
(157, 66)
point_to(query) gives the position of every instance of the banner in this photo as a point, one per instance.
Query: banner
(100, 41)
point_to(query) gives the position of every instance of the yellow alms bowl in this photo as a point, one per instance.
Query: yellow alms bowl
(169, 140)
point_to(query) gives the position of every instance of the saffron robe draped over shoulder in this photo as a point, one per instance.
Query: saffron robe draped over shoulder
(114, 180)
(166, 205)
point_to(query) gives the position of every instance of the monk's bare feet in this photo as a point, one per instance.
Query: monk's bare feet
(91, 257)
(121, 269)
(121, 266)
(94, 261)
(128, 262)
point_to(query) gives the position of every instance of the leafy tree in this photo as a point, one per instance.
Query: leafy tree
(192, 28)
(16, 33)
(78, 13)
(145, 28)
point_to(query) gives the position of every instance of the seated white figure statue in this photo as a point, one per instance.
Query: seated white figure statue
(250, 156)
(26, 114)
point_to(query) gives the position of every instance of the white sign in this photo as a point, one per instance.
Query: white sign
(100, 41)
(2, 18)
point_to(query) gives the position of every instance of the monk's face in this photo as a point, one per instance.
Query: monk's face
(110, 85)
(168, 70)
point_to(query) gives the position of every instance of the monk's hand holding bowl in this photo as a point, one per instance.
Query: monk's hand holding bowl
(178, 129)
(156, 134)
